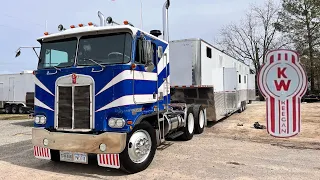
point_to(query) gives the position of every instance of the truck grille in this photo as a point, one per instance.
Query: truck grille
(74, 108)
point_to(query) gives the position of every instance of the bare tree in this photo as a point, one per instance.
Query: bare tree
(300, 20)
(252, 38)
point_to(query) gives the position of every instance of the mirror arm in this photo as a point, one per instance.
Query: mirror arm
(36, 52)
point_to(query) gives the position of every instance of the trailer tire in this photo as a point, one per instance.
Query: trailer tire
(7, 109)
(130, 160)
(240, 109)
(188, 131)
(20, 109)
(199, 119)
(14, 109)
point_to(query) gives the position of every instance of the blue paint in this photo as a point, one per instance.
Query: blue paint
(123, 88)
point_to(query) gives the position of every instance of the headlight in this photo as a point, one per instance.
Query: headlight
(116, 122)
(40, 119)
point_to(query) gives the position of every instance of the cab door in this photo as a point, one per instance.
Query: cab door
(144, 83)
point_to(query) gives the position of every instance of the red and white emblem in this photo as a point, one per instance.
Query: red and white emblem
(283, 82)
(74, 78)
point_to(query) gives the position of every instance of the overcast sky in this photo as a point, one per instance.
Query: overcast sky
(23, 21)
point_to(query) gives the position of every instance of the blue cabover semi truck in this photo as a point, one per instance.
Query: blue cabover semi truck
(104, 90)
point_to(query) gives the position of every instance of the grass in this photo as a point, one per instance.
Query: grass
(14, 116)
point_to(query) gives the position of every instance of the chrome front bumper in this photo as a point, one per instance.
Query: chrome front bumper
(86, 143)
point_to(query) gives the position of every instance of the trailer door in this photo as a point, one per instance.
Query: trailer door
(11, 89)
(230, 82)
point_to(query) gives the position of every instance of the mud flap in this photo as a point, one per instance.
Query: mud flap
(41, 153)
(109, 160)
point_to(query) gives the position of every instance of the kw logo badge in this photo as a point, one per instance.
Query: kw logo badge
(74, 78)
(283, 82)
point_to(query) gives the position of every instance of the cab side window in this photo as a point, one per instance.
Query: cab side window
(139, 53)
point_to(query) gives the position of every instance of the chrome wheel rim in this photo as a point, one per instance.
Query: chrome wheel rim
(139, 146)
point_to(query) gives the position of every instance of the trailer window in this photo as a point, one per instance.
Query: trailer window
(239, 78)
(209, 52)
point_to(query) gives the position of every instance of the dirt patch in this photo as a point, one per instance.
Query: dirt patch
(240, 126)
(14, 116)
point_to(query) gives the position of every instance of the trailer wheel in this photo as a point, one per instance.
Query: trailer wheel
(199, 119)
(189, 129)
(14, 109)
(20, 109)
(7, 109)
(140, 149)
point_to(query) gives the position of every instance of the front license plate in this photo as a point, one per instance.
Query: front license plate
(73, 157)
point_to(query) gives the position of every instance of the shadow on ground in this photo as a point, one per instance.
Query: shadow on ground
(27, 123)
(21, 154)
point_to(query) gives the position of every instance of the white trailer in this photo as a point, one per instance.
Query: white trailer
(15, 92)
(202, 74)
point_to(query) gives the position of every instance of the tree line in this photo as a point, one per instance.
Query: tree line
(292, 24)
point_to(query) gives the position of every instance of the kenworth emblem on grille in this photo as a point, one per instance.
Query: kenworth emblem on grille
(283, 82)
(74, 78)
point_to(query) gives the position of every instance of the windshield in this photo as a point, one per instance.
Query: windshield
(105, 49)
(57, 53)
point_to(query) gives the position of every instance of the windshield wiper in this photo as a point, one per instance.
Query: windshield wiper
(102, 66)
(56, 68)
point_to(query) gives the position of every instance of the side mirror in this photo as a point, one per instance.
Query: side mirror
(18, 52)
(148, 55)
(160, 52)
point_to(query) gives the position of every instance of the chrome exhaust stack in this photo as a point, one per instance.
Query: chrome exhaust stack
(165, 14)
(102, 19)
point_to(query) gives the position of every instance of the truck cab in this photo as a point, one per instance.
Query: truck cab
(94, 85)
(105, 90)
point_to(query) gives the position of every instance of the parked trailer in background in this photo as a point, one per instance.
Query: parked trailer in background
(202, 74)
(15, 91)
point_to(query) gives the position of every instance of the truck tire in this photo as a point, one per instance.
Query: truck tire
(14, 109)
(7, 109)
(188, 131)
(140, 149)
(199, 119)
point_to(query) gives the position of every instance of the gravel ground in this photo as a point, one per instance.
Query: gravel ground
(207, 156)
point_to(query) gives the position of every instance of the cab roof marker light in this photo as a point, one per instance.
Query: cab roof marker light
(127, 23)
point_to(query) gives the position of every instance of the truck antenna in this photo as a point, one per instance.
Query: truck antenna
(141, 15)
